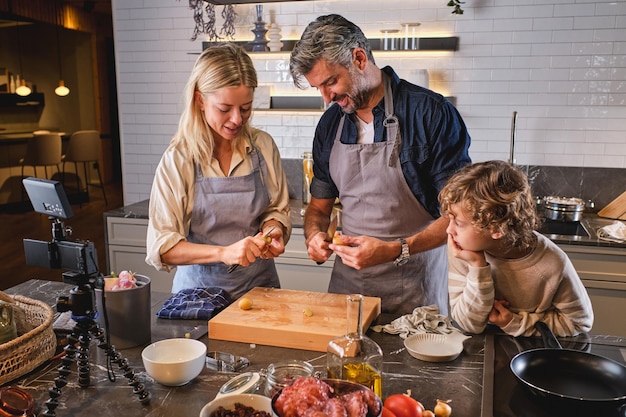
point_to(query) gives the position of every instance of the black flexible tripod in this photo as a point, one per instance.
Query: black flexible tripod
(81, 303)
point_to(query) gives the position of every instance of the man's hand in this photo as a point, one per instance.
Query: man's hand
(360, 252)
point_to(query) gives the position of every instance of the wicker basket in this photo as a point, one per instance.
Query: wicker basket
(28, 351)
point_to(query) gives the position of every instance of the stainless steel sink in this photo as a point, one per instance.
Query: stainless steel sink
(566, 229)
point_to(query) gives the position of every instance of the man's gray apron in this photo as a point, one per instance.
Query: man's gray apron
(378, 202)
(226, 210)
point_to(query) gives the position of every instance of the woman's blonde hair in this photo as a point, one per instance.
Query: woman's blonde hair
(220, 66)
(496, 196)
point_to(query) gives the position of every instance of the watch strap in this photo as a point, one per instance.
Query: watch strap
(404, 254)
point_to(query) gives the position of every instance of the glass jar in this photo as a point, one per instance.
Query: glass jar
(410, 42)
(281, 374)
(307, 176)
(246, 383)
(390, 39)
(354, 356)
(16, 402)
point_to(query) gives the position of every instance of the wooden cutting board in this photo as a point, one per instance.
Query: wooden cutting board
(277, 319)
(616, 209)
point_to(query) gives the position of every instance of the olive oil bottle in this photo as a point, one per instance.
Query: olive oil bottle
(354, 356)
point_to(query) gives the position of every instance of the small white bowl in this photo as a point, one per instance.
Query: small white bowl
(435, 347)
(174, 362)
(256, 401)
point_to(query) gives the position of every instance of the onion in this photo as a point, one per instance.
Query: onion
(443, 409)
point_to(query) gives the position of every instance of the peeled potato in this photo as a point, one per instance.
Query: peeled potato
(337, 239)
(245, 303)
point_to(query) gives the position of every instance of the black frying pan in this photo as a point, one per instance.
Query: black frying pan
(570, 378)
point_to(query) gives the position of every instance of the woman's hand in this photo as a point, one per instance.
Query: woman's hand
(274, 244)
(245, 251)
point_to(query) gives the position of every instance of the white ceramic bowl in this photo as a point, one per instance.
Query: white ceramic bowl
(174, 362)
(434, 347)
(256, 401)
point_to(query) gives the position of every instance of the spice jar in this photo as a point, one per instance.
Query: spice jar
(16, 402)
(281, 374)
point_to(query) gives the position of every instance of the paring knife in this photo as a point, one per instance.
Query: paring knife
(332, 228)
(265, 237)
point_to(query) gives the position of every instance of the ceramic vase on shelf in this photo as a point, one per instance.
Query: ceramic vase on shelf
(274, 44)
(259, 44)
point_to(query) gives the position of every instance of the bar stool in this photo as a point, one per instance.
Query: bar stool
(42, 150)
(84, 147)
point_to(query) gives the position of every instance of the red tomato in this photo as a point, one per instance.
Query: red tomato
(387, 413)
(403, 406)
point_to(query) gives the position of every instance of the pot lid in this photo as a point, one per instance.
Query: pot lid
(572, 203)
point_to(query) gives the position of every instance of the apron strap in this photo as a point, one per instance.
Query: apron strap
(391, 122)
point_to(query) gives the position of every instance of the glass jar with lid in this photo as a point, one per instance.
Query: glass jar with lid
(246, 383)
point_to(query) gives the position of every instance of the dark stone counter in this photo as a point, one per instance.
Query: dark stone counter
(459, 380)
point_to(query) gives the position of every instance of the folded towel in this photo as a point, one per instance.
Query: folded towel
(615, 232)
(194, 303)
(423, 320)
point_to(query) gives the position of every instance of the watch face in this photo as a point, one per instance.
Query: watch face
(402, 261)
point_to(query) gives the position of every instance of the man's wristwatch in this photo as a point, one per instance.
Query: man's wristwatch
(404, 255)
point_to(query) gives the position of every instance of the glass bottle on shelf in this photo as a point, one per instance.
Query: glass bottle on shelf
(354, 356)
(307, 177)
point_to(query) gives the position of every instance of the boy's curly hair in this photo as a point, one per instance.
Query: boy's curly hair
(496, 196)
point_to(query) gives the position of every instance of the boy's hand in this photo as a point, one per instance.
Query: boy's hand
(475, 259)
(500, 314)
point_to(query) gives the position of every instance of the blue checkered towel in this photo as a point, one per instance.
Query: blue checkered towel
(194, 303)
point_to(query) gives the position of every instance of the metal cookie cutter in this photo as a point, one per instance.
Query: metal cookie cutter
(225, 362)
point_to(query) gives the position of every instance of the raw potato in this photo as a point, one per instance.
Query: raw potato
(245, 303)
(337, 239)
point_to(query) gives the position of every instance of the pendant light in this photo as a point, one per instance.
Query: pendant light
(22, 89)
(61, 90)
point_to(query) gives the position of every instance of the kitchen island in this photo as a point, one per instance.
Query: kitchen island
(459, 380)
(478, 382)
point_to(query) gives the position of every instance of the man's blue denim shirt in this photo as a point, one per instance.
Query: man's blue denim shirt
(435, 141)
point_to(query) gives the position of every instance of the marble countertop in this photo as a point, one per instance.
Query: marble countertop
(459, 380)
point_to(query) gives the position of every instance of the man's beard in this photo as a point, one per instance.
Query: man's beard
(361, 93)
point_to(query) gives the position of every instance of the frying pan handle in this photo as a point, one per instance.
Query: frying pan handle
(549, 339)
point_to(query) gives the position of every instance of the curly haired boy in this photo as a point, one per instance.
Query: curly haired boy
(501, 271)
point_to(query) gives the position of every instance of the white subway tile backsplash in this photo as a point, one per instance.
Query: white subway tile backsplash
(560, 64)
(587, 9)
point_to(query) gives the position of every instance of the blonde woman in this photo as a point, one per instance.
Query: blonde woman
(220, 185)
(501, 271)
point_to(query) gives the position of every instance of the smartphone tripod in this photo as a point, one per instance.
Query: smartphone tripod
(81, 303)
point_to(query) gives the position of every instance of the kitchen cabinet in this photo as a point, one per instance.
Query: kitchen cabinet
(297, 271)
(603, 274)
(126, 250)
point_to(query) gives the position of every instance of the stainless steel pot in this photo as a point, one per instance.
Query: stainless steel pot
(567, 209)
